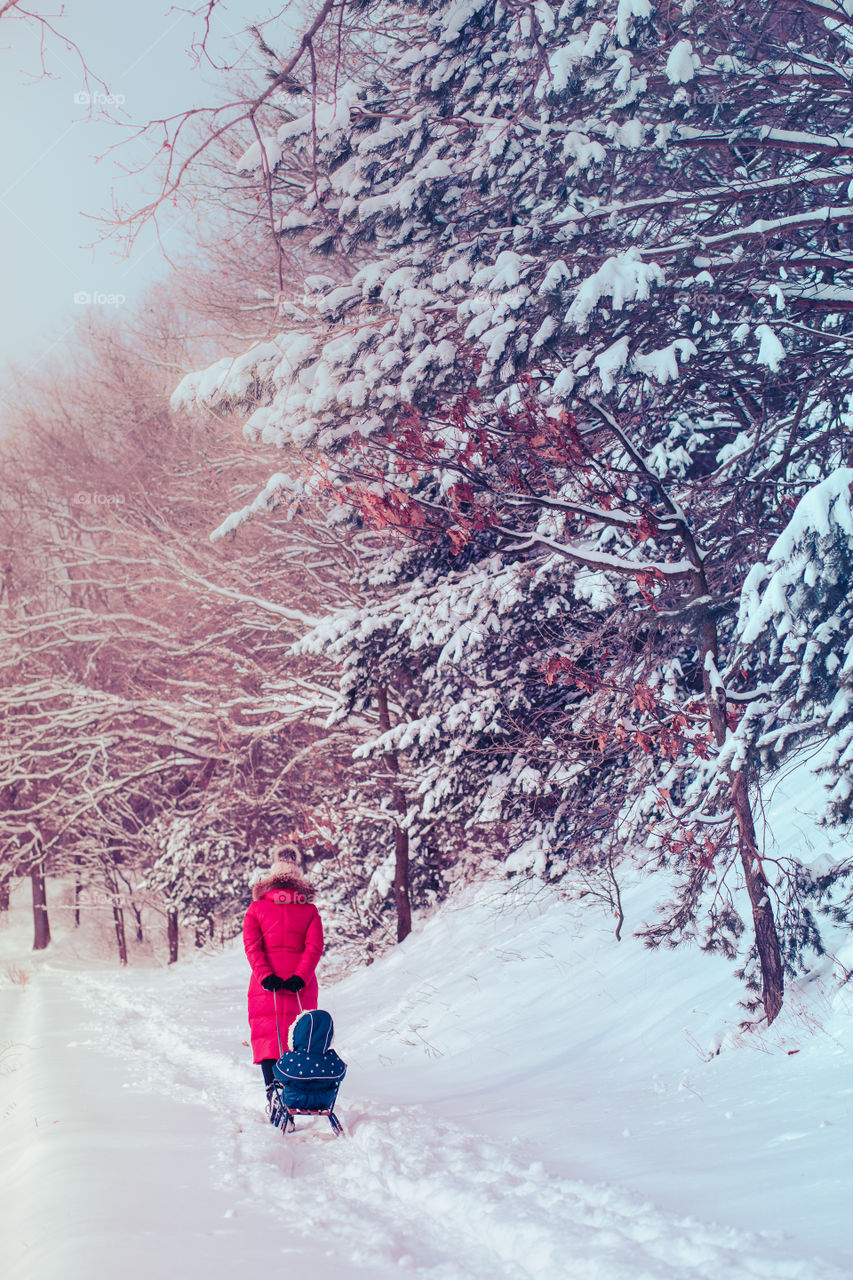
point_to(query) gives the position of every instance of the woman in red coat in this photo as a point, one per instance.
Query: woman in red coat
(283, 937)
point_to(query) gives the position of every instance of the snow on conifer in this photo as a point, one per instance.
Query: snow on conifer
(795, 634)
(577, 323)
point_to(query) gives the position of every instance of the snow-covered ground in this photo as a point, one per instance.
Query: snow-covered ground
(526, 1098)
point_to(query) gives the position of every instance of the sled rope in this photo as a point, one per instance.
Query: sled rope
(275, 1011)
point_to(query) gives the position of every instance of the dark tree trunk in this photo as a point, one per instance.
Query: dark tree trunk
(766, 937)
(78, 891)
(41, 923)
(121, 934)
(401, 881)
(764, 922)
(109, 862)
(137, 916)
(120, 877)
(11, 869)
(172, 935)
(401, 836)
(205, 931)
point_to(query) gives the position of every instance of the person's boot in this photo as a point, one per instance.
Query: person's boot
(273, 1105)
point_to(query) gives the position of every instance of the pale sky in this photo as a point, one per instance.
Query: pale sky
(51, 174)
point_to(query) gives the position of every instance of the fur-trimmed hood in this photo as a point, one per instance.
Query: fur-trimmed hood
(312, 1032)
(310, 1070)
(299, 890)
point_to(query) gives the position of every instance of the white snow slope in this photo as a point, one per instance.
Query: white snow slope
(526, 1098)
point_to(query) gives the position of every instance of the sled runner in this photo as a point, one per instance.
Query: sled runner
(282, 1116)
(308, 1075)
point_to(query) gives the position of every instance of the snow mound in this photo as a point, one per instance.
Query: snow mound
(526, 1097)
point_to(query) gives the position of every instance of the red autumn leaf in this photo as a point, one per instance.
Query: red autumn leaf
(644, 698)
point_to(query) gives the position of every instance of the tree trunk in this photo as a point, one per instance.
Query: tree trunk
(137, 915)
(78, 891)
(41, 923)
(12, 869)
(120, 877)
(121, 934)
(109, 864)
(764, 922)
(766, 937)
(401, 836)
(401, 880)
(172, 935)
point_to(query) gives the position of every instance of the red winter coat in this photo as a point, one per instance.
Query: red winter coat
(282, 934)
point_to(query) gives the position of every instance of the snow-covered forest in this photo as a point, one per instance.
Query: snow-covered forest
(471, 505)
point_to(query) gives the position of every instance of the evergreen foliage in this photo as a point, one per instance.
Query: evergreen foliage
(592, 348)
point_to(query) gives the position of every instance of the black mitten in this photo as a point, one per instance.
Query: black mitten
(274, 983)
(294, 983)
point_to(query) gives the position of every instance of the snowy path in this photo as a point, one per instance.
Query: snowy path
(166, 1157)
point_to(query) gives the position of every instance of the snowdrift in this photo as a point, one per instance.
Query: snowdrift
(526, 1098)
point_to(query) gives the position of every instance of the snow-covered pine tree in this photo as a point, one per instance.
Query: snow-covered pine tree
(795, 640)
(596, 324)
(461, 647)
(791, 666)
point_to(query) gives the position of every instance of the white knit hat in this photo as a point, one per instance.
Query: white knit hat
(285, 867)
